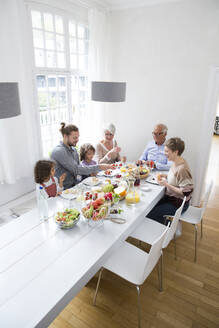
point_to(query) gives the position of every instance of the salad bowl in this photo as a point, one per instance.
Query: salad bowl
(68, 218)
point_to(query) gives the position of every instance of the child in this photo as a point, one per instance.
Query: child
(87, 152)
(44, 172)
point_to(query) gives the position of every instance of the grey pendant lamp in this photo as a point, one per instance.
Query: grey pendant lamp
(9, 100)
(108, 91)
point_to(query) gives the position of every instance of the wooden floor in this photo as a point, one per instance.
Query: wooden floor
(191, 291)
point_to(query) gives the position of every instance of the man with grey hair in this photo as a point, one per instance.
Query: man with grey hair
(154, 150)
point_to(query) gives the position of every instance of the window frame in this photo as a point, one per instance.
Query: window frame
(68, 72)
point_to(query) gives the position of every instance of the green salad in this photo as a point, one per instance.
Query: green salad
(68, 217)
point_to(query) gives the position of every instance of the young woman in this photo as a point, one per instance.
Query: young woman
(178, 182)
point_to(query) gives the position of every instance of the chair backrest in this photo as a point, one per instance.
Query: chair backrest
(154, 254)
(172, 230)
(206, 197)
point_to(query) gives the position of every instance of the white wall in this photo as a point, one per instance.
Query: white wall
(164, 53)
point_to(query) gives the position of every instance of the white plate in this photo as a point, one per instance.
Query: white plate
(152, 179)
(69, 193)
(145, 188)
(100, 174)
(90, 181)
(118, 215)
(109, 175)
(113, 173)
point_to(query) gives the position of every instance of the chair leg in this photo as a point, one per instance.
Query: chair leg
(98, 283)
(161, 272)
(195, 257)
(174, 239)
(139, 307)
(158, 274)
(201, 229)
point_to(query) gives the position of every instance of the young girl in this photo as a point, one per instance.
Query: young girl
(44, 174)
(87, 152)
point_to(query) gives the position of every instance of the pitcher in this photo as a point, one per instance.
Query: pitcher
(132, 196)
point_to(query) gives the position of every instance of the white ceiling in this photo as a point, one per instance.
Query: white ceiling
(120, 4)
(124, 4)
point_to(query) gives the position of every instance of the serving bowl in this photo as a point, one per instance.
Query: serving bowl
(67, 219)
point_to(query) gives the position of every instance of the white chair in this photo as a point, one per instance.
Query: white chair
(133, 264)
(149, 230)
(194, 215)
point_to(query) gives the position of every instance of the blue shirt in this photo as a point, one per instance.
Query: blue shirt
(155, 153)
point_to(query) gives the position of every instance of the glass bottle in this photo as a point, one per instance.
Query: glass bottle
(80, 196)
(132, 196)
(137, 178)
(42, 204)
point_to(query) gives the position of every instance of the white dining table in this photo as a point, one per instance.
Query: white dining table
(42, 267)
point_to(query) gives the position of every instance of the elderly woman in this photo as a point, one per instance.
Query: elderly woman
(178, 182)
(107, 150)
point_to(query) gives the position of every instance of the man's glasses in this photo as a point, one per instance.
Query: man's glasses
(157, 134)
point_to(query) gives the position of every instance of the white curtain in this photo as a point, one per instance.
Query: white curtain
(15, 161)
(19, 146)
(92, 130)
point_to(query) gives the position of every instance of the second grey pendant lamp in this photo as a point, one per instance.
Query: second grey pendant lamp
(108, 91)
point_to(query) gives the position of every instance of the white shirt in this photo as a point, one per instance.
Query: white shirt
(47, 184)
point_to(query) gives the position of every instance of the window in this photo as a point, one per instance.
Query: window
(61, 65)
